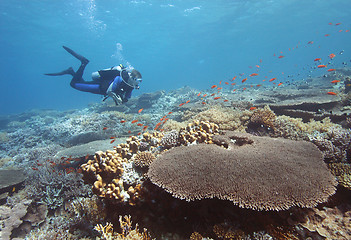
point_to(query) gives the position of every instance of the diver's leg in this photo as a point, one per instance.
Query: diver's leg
(69, 71)
(76, 55)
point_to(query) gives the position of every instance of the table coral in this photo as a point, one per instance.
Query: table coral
(260, 173)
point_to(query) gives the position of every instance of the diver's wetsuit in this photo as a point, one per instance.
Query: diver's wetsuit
(119, 86)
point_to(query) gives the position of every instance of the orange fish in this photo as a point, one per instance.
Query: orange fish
(220, 82)
(253, 74)
(140, 124)
(280, 84)
(219, 88)
(199, 94)
(203, 103)
(122, 121)
(141, 109)
(170, 113)
(257, 66)
(204, 95)
(112, 137)
(272, 79)
(243, 80)
(317, 59)
(113, 140)
(234, 90)
(331, 70)
(321, 66)
(258, 85)
(327, 35)
(104, 128)
(214, 86)
(181, 104)
(86, 157)
(336, 24)
(129, 131)
(225, 100)
(138, 133)
(331, 93)
(244, 88)
(134, 121)
(145, 127)
(34, 168)
(347, 30)
(213, 94)
(226, 83)
(234, 78)
(335, 81)
(253, 108)
(281, 56)
(187, 101)
(216, 98)
(331, 56)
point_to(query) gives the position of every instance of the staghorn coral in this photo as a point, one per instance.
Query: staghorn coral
(254, 172)
(225, 118)
(128, 233)
(144, 159)
(342, 171)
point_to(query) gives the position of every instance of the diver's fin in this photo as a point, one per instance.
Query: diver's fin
(69, 71)
(76, 55)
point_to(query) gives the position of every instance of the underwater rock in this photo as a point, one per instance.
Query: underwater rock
(146, 100)
(9, 179)
(84, 138)
(259, 173)
(89, 148)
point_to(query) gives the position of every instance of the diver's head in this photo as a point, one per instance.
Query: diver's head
(134, 79)
(95, 76)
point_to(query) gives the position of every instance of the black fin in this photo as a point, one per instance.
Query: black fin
(69, 71)
(76, 55)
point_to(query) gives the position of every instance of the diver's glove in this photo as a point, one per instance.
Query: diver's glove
(116, 98)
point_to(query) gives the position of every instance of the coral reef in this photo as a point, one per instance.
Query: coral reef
(198, 132)
(262, 118)
(342, 171)
(11, 217)
(225, 118)
(329, 223)
(283, 173)
(170, 139)
(105, 174)
(334, 143)
(144, 159)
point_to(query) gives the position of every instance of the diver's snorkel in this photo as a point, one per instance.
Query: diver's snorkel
(131, 81)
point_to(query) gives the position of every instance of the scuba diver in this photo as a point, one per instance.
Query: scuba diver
(116, 82)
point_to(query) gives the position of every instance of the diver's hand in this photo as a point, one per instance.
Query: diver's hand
(115, 97)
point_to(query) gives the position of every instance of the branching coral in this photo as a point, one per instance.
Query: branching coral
(343, 173)
(144, 159)
(262, 119)
(128, 233)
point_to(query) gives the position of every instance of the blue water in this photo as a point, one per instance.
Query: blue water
(172, 43)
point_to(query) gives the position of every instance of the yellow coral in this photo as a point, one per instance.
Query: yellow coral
(342, 171)
(144, 159)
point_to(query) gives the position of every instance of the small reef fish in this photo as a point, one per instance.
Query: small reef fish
(243, 80)
(335, 81)
(326, 35)
(213, 86)
(140, 124)
(233, 78)
(253, 108)
(122, 121)
(199, 94)
(112, 141)
(331, 93)
(317, 59)
(170, 113)
(104, 128)
(258, 85)
(272, 79)
(187, 101)
(332, 55)
(181, 104)
(279, 84)
(281, 56)
(331, 70)
(321, 66)
(216, 98)
(134, 121)
(141, 109)
(253, 74)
